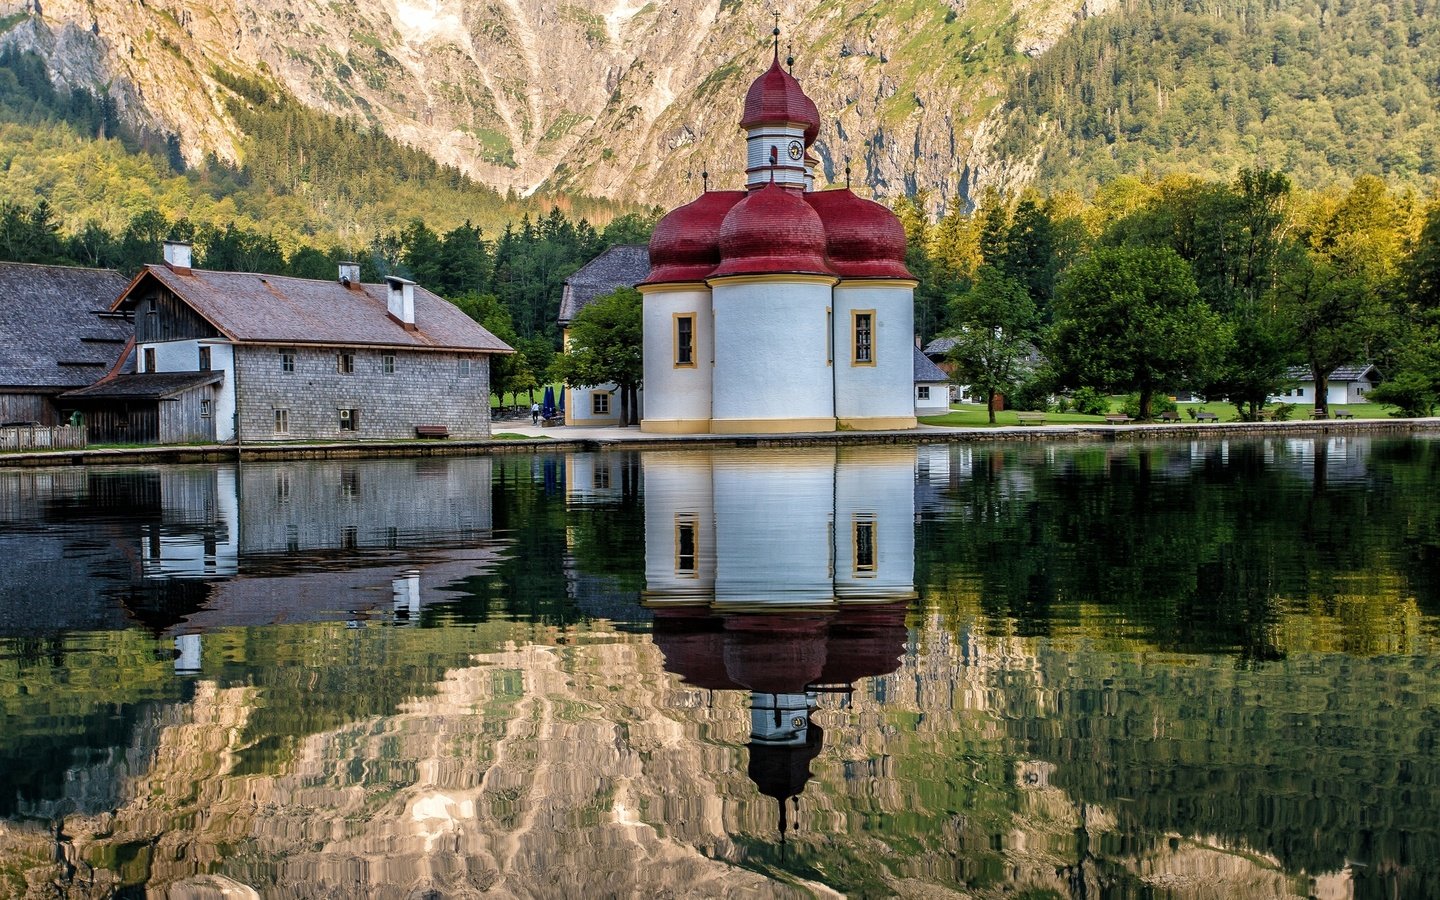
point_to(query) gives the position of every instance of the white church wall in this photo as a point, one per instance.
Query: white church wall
(678, 499)
(875, 523)
(878, 395)
(774, 515)
(679, 395)
(765, 326)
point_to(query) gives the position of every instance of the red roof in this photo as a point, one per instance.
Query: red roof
(772, 231)
(862, 238)
(775, 98)
(686, 243)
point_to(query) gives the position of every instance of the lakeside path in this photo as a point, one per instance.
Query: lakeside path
(530, 439)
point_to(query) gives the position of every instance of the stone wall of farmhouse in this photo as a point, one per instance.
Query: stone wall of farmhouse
(418, 388)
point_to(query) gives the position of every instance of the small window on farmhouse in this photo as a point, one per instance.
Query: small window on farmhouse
(387, 364)
(685, 340)
(345, 363)
(923, 392)
(205, 408)
(600, 403)
(282, 421)
(149, 359)
(863, 330)
(1300, 392)
(204, 359)
(462, 367)
(349, 420)
(864, 545)
(287, 360)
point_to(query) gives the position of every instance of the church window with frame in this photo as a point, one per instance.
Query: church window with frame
(685, 557)
(862, 330)
(863, 529)
(684, 340)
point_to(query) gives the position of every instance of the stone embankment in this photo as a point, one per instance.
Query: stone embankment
(531, 440)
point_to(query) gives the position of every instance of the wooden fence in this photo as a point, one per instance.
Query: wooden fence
(43, 437)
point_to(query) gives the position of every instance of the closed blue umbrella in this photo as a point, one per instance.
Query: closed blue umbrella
(547, 406)
(562, 401)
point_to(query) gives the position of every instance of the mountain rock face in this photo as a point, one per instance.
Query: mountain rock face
(618, 98)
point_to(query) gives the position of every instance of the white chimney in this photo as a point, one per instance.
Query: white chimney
(177, 256)
(401, 302)
(349, 273)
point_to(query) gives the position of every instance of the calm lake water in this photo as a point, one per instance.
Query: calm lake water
(1191, 670)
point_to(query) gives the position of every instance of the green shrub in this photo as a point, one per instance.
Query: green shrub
(1091, 402)
(1159, 403)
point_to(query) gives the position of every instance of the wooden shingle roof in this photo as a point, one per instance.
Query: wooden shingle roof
(250, 308)
(624, 265)
(54, 331)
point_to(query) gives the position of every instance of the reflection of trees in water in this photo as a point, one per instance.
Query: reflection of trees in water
(1188, 548)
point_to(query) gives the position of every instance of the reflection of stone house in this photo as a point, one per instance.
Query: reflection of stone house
(623, 266)
(55, 334)
(272, 358)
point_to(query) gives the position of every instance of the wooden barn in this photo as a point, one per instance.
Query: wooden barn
(56, 334)
(160, 408)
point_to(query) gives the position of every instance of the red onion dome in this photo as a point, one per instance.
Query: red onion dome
(862, 238)
(772, 231)
(812, 127)
(775, 98)
(686, 243)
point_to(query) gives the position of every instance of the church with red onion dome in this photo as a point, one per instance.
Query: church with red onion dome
(778, 308)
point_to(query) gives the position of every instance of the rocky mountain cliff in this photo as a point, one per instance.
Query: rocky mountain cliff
(618, 98)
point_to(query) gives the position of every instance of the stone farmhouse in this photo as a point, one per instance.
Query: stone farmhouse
(56, 334)
(231, 356)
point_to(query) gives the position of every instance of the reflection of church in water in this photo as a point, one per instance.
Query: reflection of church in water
(784, 575)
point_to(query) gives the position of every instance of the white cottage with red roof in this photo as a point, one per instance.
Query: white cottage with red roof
(778, 308)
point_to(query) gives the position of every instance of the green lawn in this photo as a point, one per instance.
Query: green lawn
(972, 415)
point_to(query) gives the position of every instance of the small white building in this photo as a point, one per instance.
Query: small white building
(932, 387)
(621, 266)
(1347, 384)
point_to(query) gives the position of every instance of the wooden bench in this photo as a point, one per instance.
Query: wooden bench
(1343, 413)
(1117, 419)
(1203, 416)
(1030, 418)
(432, 431)
(1170, 415)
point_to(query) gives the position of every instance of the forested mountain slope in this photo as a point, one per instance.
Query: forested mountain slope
(629, 100)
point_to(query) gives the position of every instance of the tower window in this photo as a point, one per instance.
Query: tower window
(684, 340)
(862, 327)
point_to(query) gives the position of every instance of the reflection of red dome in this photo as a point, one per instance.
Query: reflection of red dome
(775, 654)
(772, 231)
(693, 642)
(775, 98)
(862, 238)
(686, 242)
(865, 642)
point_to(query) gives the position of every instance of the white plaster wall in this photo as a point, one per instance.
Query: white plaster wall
(876, 484)
(184, 356)
(773, 518)
(886, 389)
(672, 392)
(939, 402)
(770, 351)
(678, 488)
(578, 405)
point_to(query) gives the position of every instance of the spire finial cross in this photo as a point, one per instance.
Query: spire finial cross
(776, 33)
